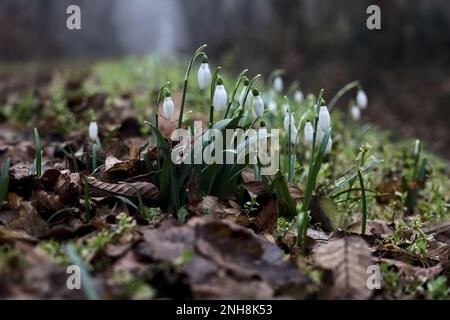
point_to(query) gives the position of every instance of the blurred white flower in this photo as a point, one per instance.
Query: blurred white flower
(329, 146)
(288, 121)
(324, 119)
(258, 104)
(204, 75)
(298, 96)
(294, 134)
(242, 95)
(319, 136)
(308, 132)
(278, 84)
(272, 105)
(355, 112)
(168, 107)
(220, 97)
(361, 99)
(93, 131)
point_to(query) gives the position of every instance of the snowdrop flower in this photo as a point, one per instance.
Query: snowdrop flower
(298, 96)
(361, 99)
(329, 146)
(220, 96)
(294, 134)
(204, 74)
(258, 104)
(308, 132)
(168, 106)
(355, 112)
(324, 119)
(242, 95)
(319, 136)
(288, 121)
(272, 105)
(93, 131)
(278, 84)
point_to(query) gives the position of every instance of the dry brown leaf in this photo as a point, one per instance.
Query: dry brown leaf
(266, 220)
(147, 190)
(348, 258)
(27, 218)
(119, 171)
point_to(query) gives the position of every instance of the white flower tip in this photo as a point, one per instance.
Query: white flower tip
(278, 84)
(361, 99)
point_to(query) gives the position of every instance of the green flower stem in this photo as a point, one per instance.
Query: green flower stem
(213, 89)
(341, 92)
(158, 101)
(196, 54)
(236, 87)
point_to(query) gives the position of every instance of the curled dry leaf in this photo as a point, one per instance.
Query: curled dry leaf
(147, 190)
(68, 186)
(266, 220)
(116, 170)
(28, 219)
(221, 252)
(348, 258)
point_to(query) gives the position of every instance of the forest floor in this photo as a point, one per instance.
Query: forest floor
(109, 209)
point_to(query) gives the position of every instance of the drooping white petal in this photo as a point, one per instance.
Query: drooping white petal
(288, 121)
(258, 106)
(278, 84)
(319, 136)
(204, 76)
(308, 132)
(242, 96)
(298, 96)
(361, 99)
(168, 108)
(294, 134)
(220, 98)
(329, 146)
(356, 112)
(324, 119)
(93, 131)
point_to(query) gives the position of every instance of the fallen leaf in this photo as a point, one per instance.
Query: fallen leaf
(147, 190)
(348, 258)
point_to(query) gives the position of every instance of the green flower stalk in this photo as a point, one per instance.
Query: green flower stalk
(161, 93)
(197, 53)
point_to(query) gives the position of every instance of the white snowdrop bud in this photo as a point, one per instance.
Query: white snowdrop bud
(319, 135)
(361, 99)
(355, 112)
(294, 134)
(220, 96)
(204, 74)
(168, 106)
(278, 84)
(308, 132)
(93, 131)
(288, 121)
(242, 95)
(324, 119)
(329, 146)
(258, 104)
(298, 96)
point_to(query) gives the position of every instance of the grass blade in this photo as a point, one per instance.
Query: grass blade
(86, 280)
(363, 203)
(4, 181)
(38, 153)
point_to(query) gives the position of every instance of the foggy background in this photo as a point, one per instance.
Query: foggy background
(323, 43)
